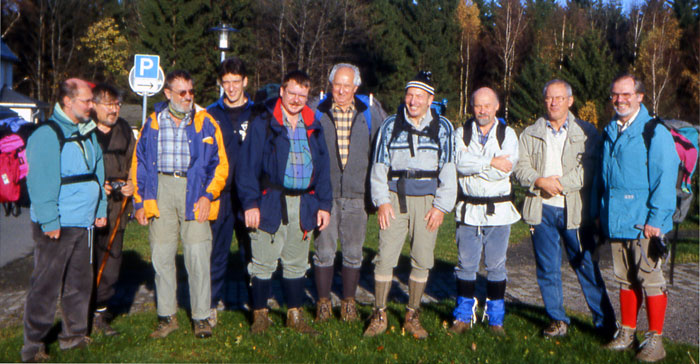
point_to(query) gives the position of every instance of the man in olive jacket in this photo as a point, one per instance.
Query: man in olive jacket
(557, 159)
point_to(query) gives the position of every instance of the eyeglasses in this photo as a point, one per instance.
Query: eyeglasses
(625, 96)
(86, 101)
(111, 105)
(557, 99)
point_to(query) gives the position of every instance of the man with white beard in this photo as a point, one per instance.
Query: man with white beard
(179, 171)
(486, 151)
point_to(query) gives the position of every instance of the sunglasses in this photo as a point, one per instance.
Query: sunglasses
(184, 92)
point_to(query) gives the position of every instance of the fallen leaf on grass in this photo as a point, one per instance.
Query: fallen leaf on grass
(238, 339)
(444, 324)
(380, 348)
(473, 346)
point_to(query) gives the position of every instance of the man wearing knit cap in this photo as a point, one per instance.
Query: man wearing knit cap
(413, 185)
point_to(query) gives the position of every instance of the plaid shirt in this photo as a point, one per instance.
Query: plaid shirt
(173, 148)
(343, 125)
(297, 174)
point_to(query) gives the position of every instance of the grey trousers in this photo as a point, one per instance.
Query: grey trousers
(61, 269)
(349, 224)
(163, 233)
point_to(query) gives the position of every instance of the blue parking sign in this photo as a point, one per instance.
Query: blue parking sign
(146, 66)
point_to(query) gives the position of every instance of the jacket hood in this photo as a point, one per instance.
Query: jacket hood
(274, 107)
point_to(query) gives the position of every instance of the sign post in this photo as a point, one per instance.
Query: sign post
(146, 78)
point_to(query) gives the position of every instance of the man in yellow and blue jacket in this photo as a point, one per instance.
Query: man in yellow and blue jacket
(180, 168)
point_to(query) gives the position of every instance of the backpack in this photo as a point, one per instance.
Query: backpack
(13, 167)
(685, 139)
(367, 113)
(500, 132)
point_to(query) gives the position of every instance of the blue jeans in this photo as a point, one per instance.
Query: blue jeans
(545, 241)
(471, 240)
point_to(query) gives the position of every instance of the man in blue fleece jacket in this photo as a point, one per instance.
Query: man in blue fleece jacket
(65, 180)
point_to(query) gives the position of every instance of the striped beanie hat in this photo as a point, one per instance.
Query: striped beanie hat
(423, 80)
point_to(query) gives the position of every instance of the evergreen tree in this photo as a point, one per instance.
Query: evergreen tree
(590, 70)
(526, 102)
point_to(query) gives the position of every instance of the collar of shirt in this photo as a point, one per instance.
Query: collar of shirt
(622, 126)
(424, 122)
(347, 109)
(288, 124)
(561, 130)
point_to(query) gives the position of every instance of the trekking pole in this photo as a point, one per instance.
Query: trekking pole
(673, 250)
(111, 241)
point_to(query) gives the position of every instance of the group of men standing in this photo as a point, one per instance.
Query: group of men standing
(285, 169)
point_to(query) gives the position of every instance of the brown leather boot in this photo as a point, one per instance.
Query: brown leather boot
(625, 338)
(377, 324)
(324, 310)
(297, 322)
(460, 327)
(411, 324)
(261, 321)
(348, 310)
(652, 348)
(166, 325)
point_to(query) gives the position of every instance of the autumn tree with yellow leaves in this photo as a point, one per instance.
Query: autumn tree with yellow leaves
(108, 48)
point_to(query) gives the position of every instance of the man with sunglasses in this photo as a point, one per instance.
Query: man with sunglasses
(117, 141)
(638, 173)
(179, 171)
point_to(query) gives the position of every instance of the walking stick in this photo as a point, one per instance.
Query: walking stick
(673, 250)
(111, 241)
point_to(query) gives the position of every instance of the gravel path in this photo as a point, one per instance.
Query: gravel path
(135, 291)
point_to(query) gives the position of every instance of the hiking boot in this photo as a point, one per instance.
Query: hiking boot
(652, 348)
(297, 322)
(624, 339)
(260, 321)
(460, 327)
(39, 357)
(497, 330)
(411, 324)
(348, 310)
(80, 343)
(324, 310)
(556, 329)
(213, 317)
(166, 325)
(202, 329)
(377, 324)
(101, 324)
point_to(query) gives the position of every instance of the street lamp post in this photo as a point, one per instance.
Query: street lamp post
(224, 31)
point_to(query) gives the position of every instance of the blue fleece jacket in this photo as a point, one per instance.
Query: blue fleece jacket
(638, 186)
(70, 205)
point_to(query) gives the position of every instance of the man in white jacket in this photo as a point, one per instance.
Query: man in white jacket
(486, 151)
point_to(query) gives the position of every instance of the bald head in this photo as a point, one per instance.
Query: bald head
(75, 98)
(485, 104)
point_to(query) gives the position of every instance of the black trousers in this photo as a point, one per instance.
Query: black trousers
(110, 274)
(62, 270)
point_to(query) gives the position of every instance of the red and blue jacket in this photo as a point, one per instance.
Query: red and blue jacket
(261, 165)
(207, 172)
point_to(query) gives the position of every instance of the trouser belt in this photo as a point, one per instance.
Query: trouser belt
(284, 193)
(176, 174)
(401, 183)
(490, 202)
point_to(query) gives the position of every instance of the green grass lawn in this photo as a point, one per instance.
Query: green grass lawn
(339, 342)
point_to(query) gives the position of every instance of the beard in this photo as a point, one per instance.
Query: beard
(483, 120)
(183, 108)
(622, 113)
